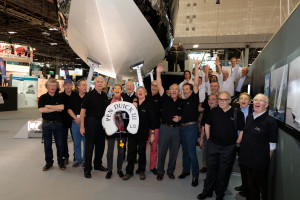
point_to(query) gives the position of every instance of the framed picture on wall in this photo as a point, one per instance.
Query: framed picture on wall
(293, 95)
(278, 92)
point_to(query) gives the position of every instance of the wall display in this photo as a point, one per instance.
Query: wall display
(278, 93)
(27, 90)
(267, 85)
(76, 72)
(16, 52)
(293, 95)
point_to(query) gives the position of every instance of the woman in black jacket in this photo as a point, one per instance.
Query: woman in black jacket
(137, 142)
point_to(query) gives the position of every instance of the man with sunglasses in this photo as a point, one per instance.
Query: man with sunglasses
(221, 128)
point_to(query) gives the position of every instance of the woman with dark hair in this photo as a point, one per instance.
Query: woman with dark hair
(137, 142)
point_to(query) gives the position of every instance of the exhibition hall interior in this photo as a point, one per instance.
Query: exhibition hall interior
(88, 49)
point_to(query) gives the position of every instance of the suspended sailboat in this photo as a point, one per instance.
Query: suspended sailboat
(117, 34)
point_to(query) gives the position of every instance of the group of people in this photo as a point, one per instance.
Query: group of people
(166, 122)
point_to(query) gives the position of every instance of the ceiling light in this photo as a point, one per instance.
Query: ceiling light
(12, 32)
(195, 46)
(53, 44)
(52, 29)
(77, 58)
(45, 33)
(34, 49)
(258, 51)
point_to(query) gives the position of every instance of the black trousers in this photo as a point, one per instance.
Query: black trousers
(181, 64)
(219, 163)
(171, 66)
(137, 145)
(65, 141)
(94, 138)
(256, 184)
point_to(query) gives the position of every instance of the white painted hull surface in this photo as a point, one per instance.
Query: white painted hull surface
(115, 34)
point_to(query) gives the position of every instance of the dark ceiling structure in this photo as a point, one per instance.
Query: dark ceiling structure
(35, 23)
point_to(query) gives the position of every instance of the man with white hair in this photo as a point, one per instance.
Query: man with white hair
(238, 84)
(258, 144)
(92, 110)
(227, 81)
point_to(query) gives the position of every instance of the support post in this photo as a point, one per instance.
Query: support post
(138, 67)
(92, 64)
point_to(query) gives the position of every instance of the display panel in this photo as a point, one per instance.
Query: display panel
(278, 92)
(293, 95)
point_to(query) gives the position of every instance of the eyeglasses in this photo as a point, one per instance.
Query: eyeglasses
(259, 101)
(223, 100)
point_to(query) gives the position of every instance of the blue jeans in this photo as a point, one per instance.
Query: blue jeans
(55, 129)
(188, 139)
(77, 137)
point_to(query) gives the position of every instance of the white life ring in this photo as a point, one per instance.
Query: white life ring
(108, 121)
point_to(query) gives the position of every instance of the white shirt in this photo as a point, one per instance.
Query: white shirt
(201, 92)
(228, 85)
(181, 85)
(240, 84)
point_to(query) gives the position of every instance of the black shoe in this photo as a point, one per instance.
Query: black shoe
(87, 174)
(239, 188)
(120, 174)
(142, 176)
(137, 171)
(76, 164)
(127, 176)
(62, 166)
(160, 177)
(108, 175)
(219, 198)
(47, 167)
(242, 193)
(154, 171)
(183, 175)
(203, 170)
(66, 161)
(195, 182)
(101, 168)
(171, 176)
(204, 195)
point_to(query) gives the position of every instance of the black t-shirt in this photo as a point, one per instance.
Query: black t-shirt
(67, 120)
(146, 117)
(95, 104)
(170, 108)
(222, 126)
(47, 99)
(255, 147)
(190, 109)
(155, 102)
(75, 103)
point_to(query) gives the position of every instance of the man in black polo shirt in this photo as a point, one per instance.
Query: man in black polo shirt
(221, 128)
(258, 144)
(51, 107)
(155, 102)
(169, 132)
(189, 128)
(74, 108)
(67, 121)
(92, 110)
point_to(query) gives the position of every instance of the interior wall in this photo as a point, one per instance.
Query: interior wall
(285, 166)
